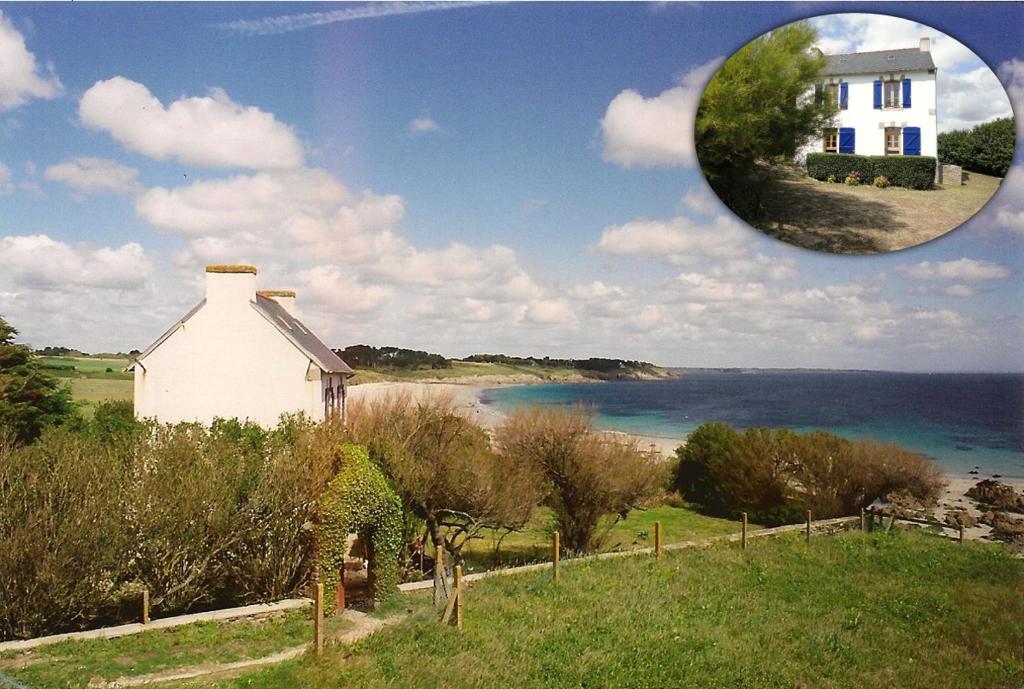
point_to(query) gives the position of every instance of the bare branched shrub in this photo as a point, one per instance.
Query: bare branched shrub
(443, 468)
(593, 478)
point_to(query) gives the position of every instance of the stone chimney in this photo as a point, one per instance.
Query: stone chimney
(817, 51)
(926, 44)
(230, 286)
(284, 297)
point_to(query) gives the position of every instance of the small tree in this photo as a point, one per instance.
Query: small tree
(444, 470)
(986, 148)
(29, 398)
(594, 479)
(756, 110)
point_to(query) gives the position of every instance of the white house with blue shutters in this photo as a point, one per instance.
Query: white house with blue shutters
(886, 100)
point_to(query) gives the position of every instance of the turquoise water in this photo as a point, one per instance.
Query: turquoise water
(964, 422)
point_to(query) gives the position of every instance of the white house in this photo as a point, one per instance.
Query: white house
(886, 100)
(239, 353)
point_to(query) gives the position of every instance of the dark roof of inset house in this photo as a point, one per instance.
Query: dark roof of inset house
(301, 336)
(285, 323)
(879, 62)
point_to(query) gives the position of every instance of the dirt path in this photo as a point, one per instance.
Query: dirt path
(362, 627)
(865, 220)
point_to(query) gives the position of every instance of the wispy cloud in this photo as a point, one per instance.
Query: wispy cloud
(423, 124)
(287, 23)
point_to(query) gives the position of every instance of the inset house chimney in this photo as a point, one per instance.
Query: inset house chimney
(230, 286)
(284, 297)
(926, 44)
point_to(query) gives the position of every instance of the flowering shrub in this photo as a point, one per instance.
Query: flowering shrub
(882, 182)
(852, 179)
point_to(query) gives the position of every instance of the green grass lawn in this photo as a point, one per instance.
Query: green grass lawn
(85, 367)
(533, 544)
(882, 610)
(75, 663)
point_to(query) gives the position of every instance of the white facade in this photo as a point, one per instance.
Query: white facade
(869, 122)
(238, 354)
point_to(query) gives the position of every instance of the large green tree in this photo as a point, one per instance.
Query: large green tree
(758, 109)
(987, 148)
(30, 399)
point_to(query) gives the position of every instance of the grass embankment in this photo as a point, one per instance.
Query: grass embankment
(73, 664)
(533, 544)
(838, 218)
(883, 610)
(468, 370)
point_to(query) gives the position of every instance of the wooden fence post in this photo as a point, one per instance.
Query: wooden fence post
(145, 606)
(555, 547)
(863, 521)
(318, 618)
(458, 596)
(743, 534)
(808, 526)
(657, 539)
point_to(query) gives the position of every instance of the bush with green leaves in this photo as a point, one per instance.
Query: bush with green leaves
(986, 148)
(359, 500)
(775, 475)
(913, 172)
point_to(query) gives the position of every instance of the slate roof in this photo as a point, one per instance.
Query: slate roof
(879, 62)
(286, 324)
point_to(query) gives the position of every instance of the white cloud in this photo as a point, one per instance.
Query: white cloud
(680, 240)
(211, 130)
(40, 262)
(547, 312)
(95, 175)
(597, 290)
(268, 26)
(424, 124)
(341, 292)
(656, 131)
(961, 269)
(20, 76)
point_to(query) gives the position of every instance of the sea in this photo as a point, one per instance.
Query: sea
(969, 423)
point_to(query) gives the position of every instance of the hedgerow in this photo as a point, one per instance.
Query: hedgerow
(913, 172)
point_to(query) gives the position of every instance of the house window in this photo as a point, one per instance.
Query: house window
(891, 94)
(832, 94)
(892, 141)
(831, 138)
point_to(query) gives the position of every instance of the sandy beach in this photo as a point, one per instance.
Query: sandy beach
(467, 397)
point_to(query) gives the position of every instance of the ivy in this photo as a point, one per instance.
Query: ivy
(359, 500)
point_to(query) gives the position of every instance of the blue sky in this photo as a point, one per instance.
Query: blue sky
(513, 177)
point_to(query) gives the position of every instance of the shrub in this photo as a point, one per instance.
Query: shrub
(593, 478)
(852, 179)
(881, 182)
(831, 179)
(914, 172)
(987, 148)
(776, 474)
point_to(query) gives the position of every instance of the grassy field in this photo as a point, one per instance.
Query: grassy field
(864, 219)
(883, 610)
(74, 664)
(533, 544)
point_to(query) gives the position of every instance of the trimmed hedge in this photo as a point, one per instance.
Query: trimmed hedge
(914, 172)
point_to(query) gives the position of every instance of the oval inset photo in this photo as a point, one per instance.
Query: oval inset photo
(854, 133)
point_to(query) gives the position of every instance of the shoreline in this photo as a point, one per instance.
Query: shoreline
(467, 397)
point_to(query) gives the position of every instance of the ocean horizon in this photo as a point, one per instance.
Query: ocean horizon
(963, 421)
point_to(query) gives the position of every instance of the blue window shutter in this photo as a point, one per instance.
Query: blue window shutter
(911, 141)
(844, 96)
(878, 94)
(906, 93)
(847, 139)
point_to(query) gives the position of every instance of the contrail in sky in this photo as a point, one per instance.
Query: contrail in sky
(286, 23)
